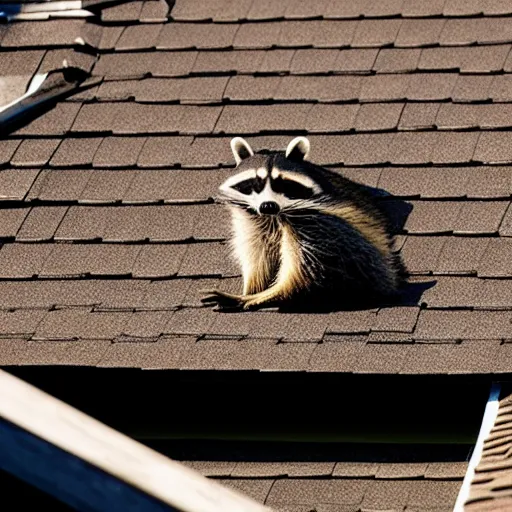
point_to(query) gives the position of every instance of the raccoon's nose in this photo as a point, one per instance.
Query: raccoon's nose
(269, 208)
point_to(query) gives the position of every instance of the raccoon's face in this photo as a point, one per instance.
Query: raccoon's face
(270, 184)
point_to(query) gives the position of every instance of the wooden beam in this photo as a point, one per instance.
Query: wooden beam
(91, 466)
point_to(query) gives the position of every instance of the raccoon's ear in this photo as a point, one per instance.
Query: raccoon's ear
(241, 149)
(298, 149)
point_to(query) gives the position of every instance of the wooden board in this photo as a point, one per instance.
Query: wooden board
(93, 467)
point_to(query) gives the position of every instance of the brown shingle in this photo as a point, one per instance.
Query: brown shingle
(328, 118)
(56, 121)
(318, 34)
(208, 259)
(241, 61)
(159, 261)
(433, 494)
(97, 117)
(460, 32)
(280, 469)
(476, 356)
(376, 33)
(444, 470)
(322, 88)
(473, 88)
(418, 116)
(20, 322)
(453, 147)
(496, 116)
(381, 358)
(384, 88)
(61, 324)
(401, 470)
(452, 115)
(191, 35)
(7, 150)
(451, 292)
(462, 8)
(483, 59)
(139, 37)
(442, 325)
(494, 294)
(118, 152)
(43, 33)
(146, 63)
(106, 186)
(41, 223)
(355, 60)
(495, 260)
(267, 10)
(255, 119)
(21, 260)
(311, 492)
(493, 147)
(385, 495)
(241, 87)
(165, 151)
(430, 86)
(20, 62)
(122, 12)
(422, 253)
(354, 322)
(105, 325)
(413, 147)
(501, 88)
(57, 185)
(69, 260)
(401, 319)
(419, 32)
(298, 9)
(397, 60)
(75, 152)
(15, 183)
(355, 469)
(461, 255)
(109, 37)
(339, 357)
(257, 35)
(166, 295)
(382, 116)
(34, 152)
(307, 62)
(154, 11)
(480, 217)
(192, 321)
(433, 217)
(290, 327)
(144, 325)
(275, 61)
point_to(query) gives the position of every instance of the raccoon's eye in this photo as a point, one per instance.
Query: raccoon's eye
(248, 186)
(291, 189)
(245, 187)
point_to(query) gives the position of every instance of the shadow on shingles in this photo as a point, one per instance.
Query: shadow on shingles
(58, 84)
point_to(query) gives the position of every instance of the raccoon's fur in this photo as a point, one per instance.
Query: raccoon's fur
(305, 235)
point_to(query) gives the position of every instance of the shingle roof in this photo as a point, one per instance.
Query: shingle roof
(490, 485)
(339, 477)
(108, 226)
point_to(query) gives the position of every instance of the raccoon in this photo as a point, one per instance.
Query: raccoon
(304, 235)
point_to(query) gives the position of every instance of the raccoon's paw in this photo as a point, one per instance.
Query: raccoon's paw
(222, 301)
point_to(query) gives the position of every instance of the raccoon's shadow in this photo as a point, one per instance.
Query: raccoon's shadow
(397, 212)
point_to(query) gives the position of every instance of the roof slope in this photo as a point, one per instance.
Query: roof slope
(490, 487)
(107, 222)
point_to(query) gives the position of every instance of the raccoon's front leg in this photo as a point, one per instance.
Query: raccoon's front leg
(292, 277)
